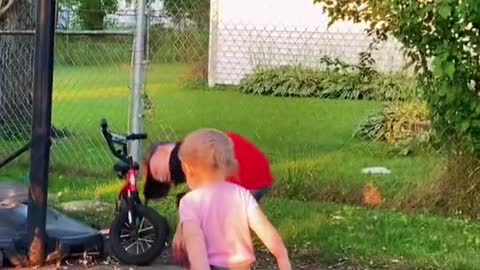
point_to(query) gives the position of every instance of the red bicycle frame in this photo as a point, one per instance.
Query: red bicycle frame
(130, 186)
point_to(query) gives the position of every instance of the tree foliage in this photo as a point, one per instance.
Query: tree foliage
(441, 37)
(196, 10)
(92, 12)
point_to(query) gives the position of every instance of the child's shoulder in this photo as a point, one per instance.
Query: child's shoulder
(233, 187)
(191, 195)
(235, 190)
(224, 188)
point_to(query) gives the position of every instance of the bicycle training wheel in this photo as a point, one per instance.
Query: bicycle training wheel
(140, 242)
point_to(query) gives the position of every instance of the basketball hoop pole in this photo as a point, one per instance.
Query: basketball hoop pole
(41, 129)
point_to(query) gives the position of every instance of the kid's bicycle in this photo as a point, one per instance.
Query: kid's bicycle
(138, 233)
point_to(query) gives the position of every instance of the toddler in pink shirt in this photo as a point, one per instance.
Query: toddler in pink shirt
(216, 216)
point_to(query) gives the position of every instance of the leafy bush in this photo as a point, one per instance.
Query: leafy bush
(441, 39)
(342, 82)
(405, 121)
(372, 128)
(396, 124)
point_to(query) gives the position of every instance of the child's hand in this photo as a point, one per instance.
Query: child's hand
(179, 252)
(284, 264)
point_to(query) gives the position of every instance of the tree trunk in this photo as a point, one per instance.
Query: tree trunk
(16, 70)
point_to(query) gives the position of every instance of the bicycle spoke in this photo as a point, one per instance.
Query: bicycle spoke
(141, 245)
(146, 243)
(128, 241)
(141, 224)
(145, 229)
(131, 245)
(146, 240)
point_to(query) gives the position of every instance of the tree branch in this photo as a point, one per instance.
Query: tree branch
(4, 9)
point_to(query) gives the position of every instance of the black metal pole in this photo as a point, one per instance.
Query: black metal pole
(41, 129)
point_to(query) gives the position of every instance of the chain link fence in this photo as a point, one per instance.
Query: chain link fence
(16, 74)
(92, 80)
(241, 48)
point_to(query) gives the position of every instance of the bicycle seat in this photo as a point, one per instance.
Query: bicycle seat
(121, 167)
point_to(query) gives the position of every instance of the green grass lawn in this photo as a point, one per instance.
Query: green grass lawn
(309, 142)
(327, 232)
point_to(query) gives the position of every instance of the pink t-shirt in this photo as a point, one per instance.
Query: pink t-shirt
(222, 211)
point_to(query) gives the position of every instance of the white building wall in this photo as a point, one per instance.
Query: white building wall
(250, 33)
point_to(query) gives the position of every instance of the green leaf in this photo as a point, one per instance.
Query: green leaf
(450, 69)
(476, 123)
(444, 10)
(464, 126)
(437, 66)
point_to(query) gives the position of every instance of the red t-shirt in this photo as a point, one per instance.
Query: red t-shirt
(253, 166)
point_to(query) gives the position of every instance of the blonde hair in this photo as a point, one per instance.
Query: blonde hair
(211, 149)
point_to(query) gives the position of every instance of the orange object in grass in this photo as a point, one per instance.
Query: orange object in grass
(372, 196)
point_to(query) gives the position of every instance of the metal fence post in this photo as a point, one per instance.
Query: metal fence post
(41, 129)
(138, 79)
(212, 42)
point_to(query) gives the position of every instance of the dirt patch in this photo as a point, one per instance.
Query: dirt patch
(264, 261)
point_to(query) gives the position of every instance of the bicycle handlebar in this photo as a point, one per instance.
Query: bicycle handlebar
(115, 139)
(140, 136)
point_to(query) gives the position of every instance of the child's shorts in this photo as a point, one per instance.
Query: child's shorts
(259, 193)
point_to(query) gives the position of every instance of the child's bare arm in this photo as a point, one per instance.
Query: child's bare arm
(262, 227)
(178, 245)
(195, 246)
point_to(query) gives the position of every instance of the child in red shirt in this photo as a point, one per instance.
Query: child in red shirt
(164, 168)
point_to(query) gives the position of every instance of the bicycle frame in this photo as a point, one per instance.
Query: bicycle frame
(127, 168)
(130, 187)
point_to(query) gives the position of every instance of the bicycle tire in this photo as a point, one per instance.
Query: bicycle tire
(160, 227)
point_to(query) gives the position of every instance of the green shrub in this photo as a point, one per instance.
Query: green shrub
(445, 32)
(341, 82)
(404, 125)
(372, 128)
(405, 121)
